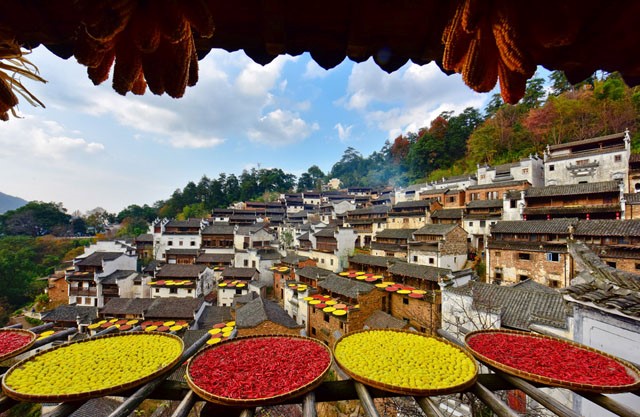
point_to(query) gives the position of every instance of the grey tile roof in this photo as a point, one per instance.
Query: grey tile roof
(573, 189)
(456, 178)
(434, 191)
(191, 223)
(260, 310)
(214, 314)
(500, 184)
(344, 286)
(424, 272)
(116, 275)
(435, 229)
(633, 198)
(133, 306)
(313, 272)
(96, 258)
(239, 272)
(527, 246)
(326, 232)
(183, 251)
(294, 259)
(411, 204)
(253, 228)
(454, 213)
(304, 236)
(218, 229)
(69, 313)
(496, 203)
(586, 141)
(269, 254)
(381, 320)
(395, 233)
(215, 258)
(381, 261)
(174, 308)
(180, 271)
(144, 238)
(519, 308)
(554, 226)
(380, 209)
(622, 228)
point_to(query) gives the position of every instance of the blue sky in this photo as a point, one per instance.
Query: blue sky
(92, 147)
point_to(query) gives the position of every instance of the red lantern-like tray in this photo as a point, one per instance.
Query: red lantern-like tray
(258, 370)
(553, 361)
(14, 342)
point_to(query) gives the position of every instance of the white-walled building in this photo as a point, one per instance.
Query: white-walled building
(179, 234)
(600, 159)
(528, 169)
(178, 280)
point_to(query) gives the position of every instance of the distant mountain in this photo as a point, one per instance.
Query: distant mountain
(9, 202)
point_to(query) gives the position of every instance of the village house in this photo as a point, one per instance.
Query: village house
(180, 280)
(528, 169)
(285, 271)
(183, 256)
(162, 309)
(478, 305)
(479, 216)
(367, 222)
(447, 216)
(335, 211)
(263, 317)
(420, 310)
(120, 283)
(215, 261)
(439, 245)
(221, 215)
(392, 242)
(370, 264)
(218, 238)
(632, 206)
(532, 249)
(410, 214)
(494, 191)
(410, 193)
(99, 262)
(254, 236)
(594, 160)
(616, 242)
(293, 292)
(461, 182)
(359, 299)
(594, 200)
(238, 281)
(144, 246)
(330, 247)
(183, 234)
(57, 288)
(71, 315)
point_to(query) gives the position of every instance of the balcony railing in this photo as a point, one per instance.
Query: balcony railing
(177, 390)
(83, 292)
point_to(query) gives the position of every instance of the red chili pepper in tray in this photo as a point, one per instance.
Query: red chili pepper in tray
(551, 358)
(259, 367)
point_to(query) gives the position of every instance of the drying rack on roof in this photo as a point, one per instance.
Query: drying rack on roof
(165, 388)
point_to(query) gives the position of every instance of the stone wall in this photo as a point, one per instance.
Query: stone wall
(537, 267)
(424, 315)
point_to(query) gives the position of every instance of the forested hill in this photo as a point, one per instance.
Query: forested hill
(552, 111)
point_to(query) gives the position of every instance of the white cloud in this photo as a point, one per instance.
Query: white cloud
(258, 80)
(44, 139)
(344, 132)
(314, 71)
(407, 99)
(280, 127)
(195, 142)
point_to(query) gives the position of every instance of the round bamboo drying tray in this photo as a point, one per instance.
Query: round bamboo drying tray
(407, 390)
(22, 348)
(256, 402)
(79, 396)
(556, 382)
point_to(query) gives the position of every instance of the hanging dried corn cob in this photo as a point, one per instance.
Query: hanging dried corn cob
(152, 42)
